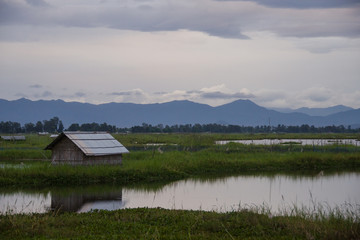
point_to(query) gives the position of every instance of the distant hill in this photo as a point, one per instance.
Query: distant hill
(240, 112)
(316, 111)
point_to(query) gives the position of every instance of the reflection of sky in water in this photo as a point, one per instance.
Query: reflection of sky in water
(315, 142)
(276, 192)
(20, 202)
(224, 194)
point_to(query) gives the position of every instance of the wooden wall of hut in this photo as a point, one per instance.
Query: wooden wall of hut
(106, 159)
(66, 151)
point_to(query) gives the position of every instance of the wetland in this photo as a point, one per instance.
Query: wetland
(267, 191)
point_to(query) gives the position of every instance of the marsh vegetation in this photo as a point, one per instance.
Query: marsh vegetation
(159, 158)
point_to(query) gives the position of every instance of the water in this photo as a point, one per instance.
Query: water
(275, 192)
(11, 165)
(312, 142)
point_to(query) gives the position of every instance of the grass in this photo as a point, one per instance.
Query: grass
(195, 155)
(158, 223)
(14, 155)
(148, 167)
(207, 139)
(32, 147)
(182, 139)
(32, 141)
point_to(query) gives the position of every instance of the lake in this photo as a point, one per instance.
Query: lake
(313, 142)
(277, 192)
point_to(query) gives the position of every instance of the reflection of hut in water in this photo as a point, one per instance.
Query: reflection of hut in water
(86, 148)
(82, 202)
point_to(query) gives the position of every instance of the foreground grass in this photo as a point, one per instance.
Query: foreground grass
(149, 167)
(174, 224)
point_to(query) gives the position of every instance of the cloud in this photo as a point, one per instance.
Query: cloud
(23, 95)
(45, 94)
(160, 93)
(269, 95)
(214, 95)
(145, 7)
(272, 97)
(35, 86)
(221, 95)
(309, 97)
(132, 15)
(37, 3)
(302, 4)
(211, 95)
(79, 94)
(324, 45)
(222, 92)
(317, 94)
(71, 96)
(134, 96)
(135, 92)
(226, 19)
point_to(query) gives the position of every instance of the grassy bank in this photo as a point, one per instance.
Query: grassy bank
(32, 147)
(175, 224)
(149, 167)
(208, 139)
(184, 155)
(34, 141)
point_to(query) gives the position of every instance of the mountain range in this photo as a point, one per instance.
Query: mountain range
(240, 112)
(316, 111)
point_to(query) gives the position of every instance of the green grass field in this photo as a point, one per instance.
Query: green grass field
(144, 166)
(187, 139)
(176, 224)
(25, 163)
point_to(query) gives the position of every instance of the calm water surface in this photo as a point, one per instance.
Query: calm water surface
(277, 192)
(313, 142)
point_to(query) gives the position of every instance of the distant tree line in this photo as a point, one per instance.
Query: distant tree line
(52, 126)
(55, 125)
(219, 128)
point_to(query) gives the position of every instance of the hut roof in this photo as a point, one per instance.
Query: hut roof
(92, 143)
(13, 138)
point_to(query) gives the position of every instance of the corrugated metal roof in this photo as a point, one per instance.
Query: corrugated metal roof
(88, 136)
(94, 144)
(97, 143)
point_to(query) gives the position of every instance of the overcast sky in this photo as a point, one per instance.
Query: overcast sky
(276, 53)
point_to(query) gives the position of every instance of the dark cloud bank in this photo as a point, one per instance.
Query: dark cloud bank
(302, 4)
(213, 17)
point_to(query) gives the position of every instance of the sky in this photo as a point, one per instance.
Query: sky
(276, 53)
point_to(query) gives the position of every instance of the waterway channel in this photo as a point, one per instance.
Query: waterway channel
(275, 192)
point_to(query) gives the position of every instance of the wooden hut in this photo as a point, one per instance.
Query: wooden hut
(86, 148)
